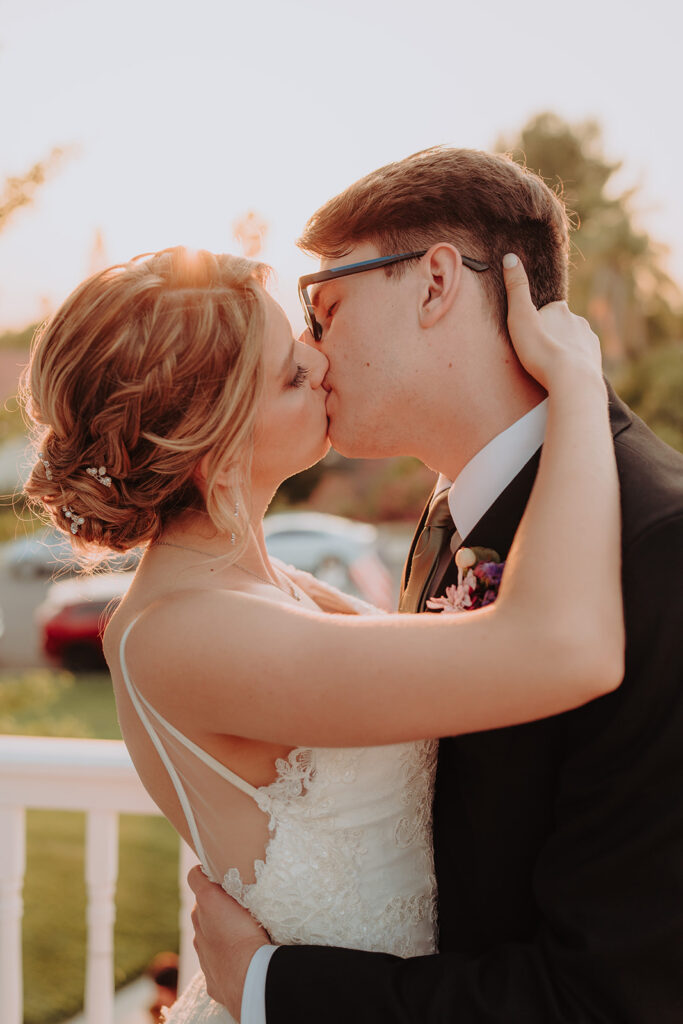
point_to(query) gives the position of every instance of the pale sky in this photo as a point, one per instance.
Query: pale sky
(187, 114)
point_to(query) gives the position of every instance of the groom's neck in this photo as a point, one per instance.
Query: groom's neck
(463, 428)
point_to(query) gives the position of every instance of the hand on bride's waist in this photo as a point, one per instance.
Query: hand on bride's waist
(226, 938)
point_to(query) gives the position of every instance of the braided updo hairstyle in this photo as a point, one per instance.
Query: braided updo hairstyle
(145, 369)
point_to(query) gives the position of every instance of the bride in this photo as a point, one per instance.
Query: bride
(287, 731)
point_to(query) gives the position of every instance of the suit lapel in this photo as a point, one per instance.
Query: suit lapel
(620, 415)
(418, 530)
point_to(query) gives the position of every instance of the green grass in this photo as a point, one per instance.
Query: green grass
(54, 893)
(18, 339)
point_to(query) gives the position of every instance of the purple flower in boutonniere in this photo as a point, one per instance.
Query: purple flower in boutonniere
(490, 573)
(480, 571)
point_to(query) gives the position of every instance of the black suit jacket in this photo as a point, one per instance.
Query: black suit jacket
(558, 844)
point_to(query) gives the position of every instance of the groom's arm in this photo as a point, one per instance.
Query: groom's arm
(608, 883)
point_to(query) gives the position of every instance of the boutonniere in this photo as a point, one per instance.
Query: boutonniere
(480, 571)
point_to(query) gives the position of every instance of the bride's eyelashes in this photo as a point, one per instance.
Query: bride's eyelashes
(300, 376)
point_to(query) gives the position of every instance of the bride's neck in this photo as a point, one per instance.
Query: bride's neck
(199, 534)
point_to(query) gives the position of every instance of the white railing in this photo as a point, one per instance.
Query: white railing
(95, 776)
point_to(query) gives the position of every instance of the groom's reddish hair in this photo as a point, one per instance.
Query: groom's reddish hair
(486, 205)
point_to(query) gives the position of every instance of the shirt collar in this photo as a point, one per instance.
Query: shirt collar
(487, 474)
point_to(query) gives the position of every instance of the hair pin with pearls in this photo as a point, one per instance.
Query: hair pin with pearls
(76, 521)
(99, 474)
(48, 471)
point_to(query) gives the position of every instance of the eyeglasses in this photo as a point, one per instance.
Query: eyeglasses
(314, 326)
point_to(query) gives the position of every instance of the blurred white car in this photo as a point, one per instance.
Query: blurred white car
(48, 552)
(336, 550)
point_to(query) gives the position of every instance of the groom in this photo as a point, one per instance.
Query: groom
(558, 844)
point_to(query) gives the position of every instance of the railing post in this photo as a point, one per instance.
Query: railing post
(101, 872)
(189, 964)
(12, 868)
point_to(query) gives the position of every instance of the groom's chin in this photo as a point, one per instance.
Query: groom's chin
(350, 447)
(351, 443)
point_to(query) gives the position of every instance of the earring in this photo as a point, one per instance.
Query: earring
(237, 510)
(48, 471)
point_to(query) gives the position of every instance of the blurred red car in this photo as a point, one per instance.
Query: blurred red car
(73, 617)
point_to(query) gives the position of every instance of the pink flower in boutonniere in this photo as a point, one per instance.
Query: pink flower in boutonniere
(479, 574)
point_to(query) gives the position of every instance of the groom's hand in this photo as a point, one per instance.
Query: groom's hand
(226, 937)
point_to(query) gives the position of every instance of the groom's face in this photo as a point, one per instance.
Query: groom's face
(368, 322)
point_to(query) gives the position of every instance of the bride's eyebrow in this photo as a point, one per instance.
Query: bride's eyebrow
(284, 371)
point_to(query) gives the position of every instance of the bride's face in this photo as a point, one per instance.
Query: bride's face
(291, 425)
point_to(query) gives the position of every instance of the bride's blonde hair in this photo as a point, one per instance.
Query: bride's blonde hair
(145, 369)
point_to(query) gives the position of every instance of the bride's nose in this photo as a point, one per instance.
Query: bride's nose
(318, 364)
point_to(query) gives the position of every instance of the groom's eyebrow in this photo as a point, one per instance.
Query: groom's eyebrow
(315, 296)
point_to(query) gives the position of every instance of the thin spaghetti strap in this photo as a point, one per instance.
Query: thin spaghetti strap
(142, 706)
(199, 752)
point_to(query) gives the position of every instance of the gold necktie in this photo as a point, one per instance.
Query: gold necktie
(437, 529)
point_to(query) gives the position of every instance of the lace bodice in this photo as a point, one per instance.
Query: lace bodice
(348, 861)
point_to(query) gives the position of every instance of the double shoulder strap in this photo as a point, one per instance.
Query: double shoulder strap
(144, 710)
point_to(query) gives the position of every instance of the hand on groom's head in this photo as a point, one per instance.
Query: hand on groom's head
(549, 340)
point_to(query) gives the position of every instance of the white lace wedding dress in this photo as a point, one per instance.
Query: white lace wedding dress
(349, 858)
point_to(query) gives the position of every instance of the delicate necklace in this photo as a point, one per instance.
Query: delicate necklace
(290, 590)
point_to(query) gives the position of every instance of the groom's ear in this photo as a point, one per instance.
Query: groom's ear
(441, 279)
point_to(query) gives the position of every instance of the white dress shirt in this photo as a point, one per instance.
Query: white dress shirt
(484, 478)
(480, 482)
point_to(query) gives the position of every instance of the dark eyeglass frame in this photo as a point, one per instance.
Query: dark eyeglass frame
(314, 326)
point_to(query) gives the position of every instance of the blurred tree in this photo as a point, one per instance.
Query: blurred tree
(17, 339)
(250, 232)
(618, 279)
(653, 386)
(19, 191)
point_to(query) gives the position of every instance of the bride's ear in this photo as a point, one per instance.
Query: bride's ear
(201, 473)
(442, 276)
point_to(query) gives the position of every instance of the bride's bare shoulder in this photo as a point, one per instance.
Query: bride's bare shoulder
(160, 622)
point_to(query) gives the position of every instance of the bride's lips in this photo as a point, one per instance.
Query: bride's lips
(328, 392)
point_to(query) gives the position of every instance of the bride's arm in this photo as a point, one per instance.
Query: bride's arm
(553, 639)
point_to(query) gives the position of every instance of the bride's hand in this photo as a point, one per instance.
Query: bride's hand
(552, 341)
